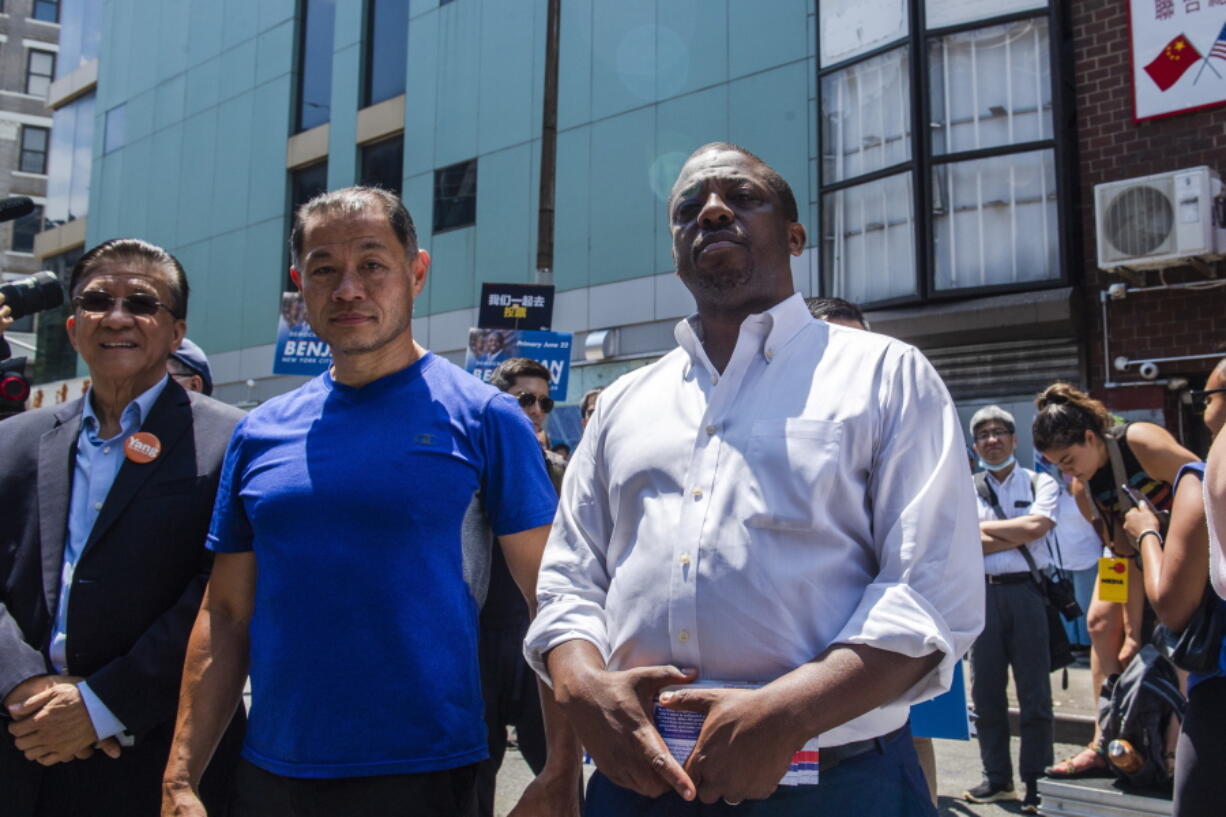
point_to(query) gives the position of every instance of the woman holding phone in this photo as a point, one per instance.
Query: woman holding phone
(1076, 433)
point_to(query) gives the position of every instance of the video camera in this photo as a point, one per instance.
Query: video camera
(25, 296)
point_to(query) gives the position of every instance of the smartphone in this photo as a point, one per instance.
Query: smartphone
(1139, 499)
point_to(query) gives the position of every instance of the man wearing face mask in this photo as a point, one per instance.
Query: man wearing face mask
(1015, 625)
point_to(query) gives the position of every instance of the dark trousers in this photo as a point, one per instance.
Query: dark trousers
(885, 782)
(1200, 760)
(1014, 635)
(511, 699)
(447, 793)
(99, 786)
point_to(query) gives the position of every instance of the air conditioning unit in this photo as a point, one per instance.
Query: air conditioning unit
(1160, 220)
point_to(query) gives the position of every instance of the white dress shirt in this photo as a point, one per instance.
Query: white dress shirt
(1019, 497)
(815, 492)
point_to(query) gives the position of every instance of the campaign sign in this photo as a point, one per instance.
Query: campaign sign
(489, 347)
(516, 306)
(945, 715)
(1178, 56)
(299, 349)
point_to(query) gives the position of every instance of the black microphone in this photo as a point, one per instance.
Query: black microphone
(15, 207)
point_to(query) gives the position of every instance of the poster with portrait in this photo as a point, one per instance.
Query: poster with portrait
(299, 349)
(1178, 56)
(489, 347)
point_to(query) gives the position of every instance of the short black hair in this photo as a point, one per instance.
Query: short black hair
(352, 201)
(773, 180)
(134, 251)
(588, 404)
(835, 309)
(509, 370)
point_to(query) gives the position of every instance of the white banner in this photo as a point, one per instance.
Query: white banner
(1178, 56)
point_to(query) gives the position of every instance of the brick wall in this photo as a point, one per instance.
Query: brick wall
(1112, 146)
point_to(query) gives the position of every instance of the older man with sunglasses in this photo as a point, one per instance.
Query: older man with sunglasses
(106, 502)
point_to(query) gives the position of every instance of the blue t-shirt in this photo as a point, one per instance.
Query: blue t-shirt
(363, 638)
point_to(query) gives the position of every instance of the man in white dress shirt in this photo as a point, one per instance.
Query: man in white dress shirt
(1017, 509)
(777, 502)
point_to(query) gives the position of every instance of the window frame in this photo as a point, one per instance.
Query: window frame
(301, 20)
(923, 161)
(434, 220)
(22, 149)
(364, 154)
(34, 10)
(30, 52)
(368, 54)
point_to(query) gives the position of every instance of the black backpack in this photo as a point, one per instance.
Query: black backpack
(1136, 705)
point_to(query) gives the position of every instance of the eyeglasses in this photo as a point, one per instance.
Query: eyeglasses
(989, 433)
(139, 303)
(1200, 397)
(528, 400)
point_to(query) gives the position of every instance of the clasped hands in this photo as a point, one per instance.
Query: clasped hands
(50, 722)
(743, 751)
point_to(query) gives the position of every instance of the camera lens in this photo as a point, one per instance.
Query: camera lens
(40, 291)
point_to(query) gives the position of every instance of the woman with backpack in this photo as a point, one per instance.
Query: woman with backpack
(1177, 585)
(1077, 434)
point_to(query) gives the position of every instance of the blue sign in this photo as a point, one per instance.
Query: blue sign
(489, 347)
(299, 349)
(945, 715)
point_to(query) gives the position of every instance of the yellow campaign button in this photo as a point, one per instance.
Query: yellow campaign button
(1113, 579)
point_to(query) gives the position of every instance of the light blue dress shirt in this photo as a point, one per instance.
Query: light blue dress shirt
(95, 467)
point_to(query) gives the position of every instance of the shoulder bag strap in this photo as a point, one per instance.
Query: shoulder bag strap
(984, 489)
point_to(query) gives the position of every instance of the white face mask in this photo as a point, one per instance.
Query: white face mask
(998, 467)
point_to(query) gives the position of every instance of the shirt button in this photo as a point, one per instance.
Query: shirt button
(683, 636)
(685, 559)
(97, 506)
(711, 431)
(714, 379)
(697, 492)
(770, 353)
(106, 450)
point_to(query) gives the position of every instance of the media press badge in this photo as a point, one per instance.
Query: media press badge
(1113, 579)
(680, 731)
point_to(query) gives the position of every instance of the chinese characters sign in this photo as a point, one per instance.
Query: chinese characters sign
(516, 306)
(1178, 56)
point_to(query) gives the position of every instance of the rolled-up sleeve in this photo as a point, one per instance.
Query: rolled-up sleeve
(574, 580)
(928, 593)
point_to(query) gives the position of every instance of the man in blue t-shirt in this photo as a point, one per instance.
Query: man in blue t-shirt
(352, 532)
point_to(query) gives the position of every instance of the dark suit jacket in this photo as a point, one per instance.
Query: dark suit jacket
(135, 592)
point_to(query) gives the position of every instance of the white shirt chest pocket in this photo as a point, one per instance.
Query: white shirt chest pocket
(793, 463)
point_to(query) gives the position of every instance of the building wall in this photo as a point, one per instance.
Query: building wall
(1113, 147)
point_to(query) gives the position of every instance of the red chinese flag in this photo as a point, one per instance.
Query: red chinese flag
(1170, 65)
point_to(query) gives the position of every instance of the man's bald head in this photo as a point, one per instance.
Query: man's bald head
(772, 178)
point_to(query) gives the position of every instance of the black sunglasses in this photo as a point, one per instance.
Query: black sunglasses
(527, 400)
(1200, 397)
(139, 303)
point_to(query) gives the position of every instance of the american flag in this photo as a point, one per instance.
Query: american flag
(1219, 46)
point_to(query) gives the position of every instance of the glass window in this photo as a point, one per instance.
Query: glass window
(47, 10)
(866, 116)
(315, 62)
(305, 183)
(40, 69)
(868, 240)
(80, 35)
(34, 149)
(854, 27)
(994, 221)
(25, 228)
(116, 135)
(70, 160)
(383, 164)
(990, 87)
(56, 359)
(387, 37)
(455, 196)
(939, 13)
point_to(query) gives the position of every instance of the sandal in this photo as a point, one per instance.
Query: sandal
(1089, 762)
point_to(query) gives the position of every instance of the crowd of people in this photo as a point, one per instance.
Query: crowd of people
(770, 537)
